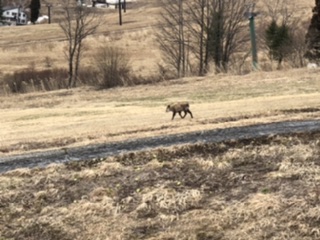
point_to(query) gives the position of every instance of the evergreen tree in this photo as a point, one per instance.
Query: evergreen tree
(215, 40)
(278, 40)
(1, 11)
(35, 7)
(313, 35)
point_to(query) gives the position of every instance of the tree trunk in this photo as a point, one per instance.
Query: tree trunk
(201, 53)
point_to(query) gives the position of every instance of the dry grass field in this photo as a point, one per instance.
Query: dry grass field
(264, 188)
(77, 117)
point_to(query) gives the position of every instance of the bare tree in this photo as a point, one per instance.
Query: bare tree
(196, 12)
(78, 22)
(171, 35)
(280, 11)
(217, 27)
(214, 28)
(299, 47)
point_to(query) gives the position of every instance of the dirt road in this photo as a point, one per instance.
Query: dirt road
(109, 149)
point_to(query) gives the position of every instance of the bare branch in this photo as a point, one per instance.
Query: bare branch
(77, 23)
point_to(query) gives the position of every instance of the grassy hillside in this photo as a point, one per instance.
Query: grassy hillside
(23, 47)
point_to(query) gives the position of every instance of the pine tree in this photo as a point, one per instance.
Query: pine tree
(34, 7)
(313, 35)
(215, 39)
(278, 40)
(1, 11)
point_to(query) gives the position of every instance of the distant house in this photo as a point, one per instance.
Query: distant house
(15, 15)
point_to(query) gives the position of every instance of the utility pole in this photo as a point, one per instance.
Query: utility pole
(18, 15)
(120, 14)
(49, 13)
(253, 43)
(251, 15)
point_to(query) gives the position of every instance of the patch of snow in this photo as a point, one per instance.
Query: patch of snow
(312, 65)
(42, 19)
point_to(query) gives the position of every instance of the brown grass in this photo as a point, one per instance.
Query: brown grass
(84, 116)
(266, 188)
(253, 189)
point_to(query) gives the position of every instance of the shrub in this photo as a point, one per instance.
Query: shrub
(113, 66)
(31, 80)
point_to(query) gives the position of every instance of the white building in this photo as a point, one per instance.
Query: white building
(15, 15)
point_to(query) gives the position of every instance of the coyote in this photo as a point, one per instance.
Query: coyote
(179, 107)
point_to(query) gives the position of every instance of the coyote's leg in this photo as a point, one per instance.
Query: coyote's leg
(188, 111)
(174, 113)
(184, 114)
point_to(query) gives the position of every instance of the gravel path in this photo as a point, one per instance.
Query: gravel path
(108, 149)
